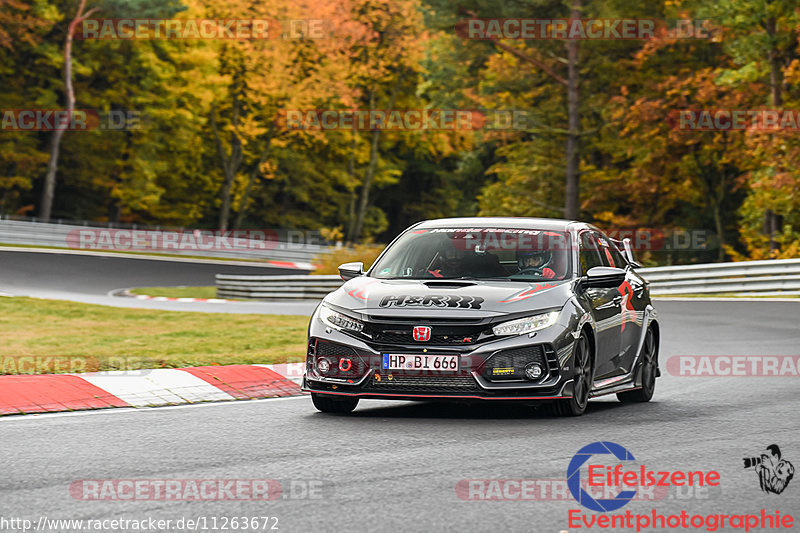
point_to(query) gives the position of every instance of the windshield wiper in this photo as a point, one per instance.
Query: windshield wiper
(461, 278)
(470, 278)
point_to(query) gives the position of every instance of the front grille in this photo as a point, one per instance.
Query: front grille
(399, 331)
(407, 337)
(332, 349)
(509, 365)
(424, 384)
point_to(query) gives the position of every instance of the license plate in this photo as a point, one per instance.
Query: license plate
(439, 363)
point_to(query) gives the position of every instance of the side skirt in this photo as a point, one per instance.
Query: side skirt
(628, 381)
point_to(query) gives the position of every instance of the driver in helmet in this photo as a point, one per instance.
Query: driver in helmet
(450, 263)
(536, 262)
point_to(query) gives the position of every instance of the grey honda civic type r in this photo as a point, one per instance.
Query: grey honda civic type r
(487, 309)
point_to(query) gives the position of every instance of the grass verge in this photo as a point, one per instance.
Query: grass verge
(46, 336)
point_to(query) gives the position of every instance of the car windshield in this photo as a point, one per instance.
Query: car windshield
(477, 253)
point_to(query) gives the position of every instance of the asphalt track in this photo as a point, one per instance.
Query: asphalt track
(395, 466)
(89, 278)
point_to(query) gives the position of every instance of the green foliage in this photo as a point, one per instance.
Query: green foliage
(636, 169)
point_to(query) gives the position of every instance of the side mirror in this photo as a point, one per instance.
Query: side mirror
(349, 271)
(627, 249)
(601, 276)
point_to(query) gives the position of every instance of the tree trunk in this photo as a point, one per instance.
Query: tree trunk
(571, 189)
(225, 209)
(49, 189)
(714, 195)
(720, 231)
(369, 175)
(237, 224)
(48, 192)
(230, 165)
(771, 219)
(351, 208)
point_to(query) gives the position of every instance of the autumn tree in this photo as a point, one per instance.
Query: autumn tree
(761, 36)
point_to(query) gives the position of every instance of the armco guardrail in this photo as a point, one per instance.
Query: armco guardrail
(56, 235)
(755, 278)
(276, 287)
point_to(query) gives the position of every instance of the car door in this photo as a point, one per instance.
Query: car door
(604, 302)
(631, 305)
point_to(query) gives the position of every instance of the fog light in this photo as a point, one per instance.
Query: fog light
(533, 371)
(323, 365)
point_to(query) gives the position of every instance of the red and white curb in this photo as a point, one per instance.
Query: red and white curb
(126, 293)
(23, 394)
(291, 264)
(190, 300)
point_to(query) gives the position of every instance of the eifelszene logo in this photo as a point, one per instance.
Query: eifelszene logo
(774, 473)
(603, 464)
(603, 475)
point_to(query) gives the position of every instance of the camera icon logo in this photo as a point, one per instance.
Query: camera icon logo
(774, 472)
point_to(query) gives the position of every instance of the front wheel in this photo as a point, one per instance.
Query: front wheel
(582, 381)
(649, 372)
(326, 404)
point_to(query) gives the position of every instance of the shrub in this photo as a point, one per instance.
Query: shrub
(329, 263)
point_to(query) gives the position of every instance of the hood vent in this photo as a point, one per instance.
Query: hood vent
(449, 284)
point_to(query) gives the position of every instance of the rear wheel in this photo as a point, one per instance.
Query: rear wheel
(649, 372)
(582, 381)
(327, 404)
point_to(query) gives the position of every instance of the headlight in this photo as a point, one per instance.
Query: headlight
(526, 325)
(338, 320)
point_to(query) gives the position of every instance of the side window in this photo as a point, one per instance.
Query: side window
(609, 253)
(589, 254)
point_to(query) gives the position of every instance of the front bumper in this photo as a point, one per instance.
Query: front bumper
(365, 376)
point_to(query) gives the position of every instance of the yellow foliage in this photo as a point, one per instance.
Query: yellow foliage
(332, 234)
(329, 263)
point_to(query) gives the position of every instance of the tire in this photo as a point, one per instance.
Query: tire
(326, 404)
(649, 372)
(583, 375)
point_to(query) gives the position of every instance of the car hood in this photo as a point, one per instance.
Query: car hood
(445, 298)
